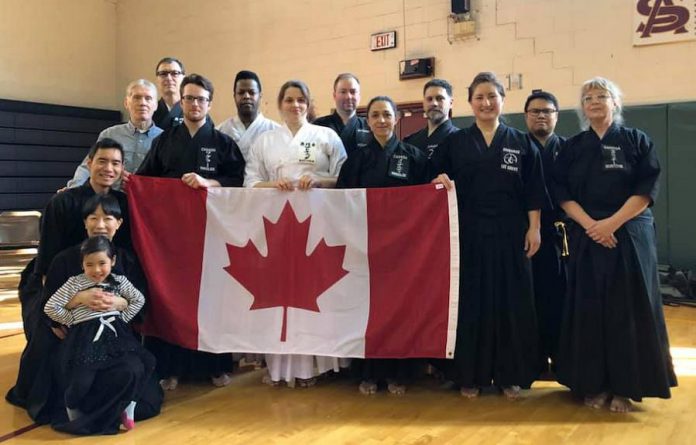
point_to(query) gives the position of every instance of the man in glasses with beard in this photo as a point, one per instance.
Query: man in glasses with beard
(541, 116)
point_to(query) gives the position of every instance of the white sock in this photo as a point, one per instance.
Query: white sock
(73, 413)
(130, 410)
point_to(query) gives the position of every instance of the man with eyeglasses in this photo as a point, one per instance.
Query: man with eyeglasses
(437, 103)
(351, 128)
(195, 151)
(249, 122)
(170, 71)
(202, 157)
(541, 115)
(136, 135)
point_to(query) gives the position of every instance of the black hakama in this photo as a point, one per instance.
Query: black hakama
(613, 337)
(397, 164)
(548, 266)
(40, 385)
(497, 186)
(212, 155)
(83, 361)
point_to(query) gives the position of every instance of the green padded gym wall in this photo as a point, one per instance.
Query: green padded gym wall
(672, 128)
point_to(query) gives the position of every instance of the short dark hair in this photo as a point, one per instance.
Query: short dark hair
(344, 76)
(382, 99)
(295, 84)
(108, 203)
(246, 75)
(95, 244)
(197, 79)
(438, 83)
(540, 94)
(170, 60)
(486, 77)
(106, 143)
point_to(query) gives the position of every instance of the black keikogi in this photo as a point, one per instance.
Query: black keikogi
(209, 153)
(354, 134)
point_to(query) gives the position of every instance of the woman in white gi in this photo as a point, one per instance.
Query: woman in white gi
(301, 156)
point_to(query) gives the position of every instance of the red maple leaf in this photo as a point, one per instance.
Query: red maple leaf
(287, 276)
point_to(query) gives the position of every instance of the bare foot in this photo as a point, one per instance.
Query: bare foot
(223, 379)
(512, 392)
(267, 380)
(367, 387)
(306, 383)
(620, 405)
(396, 389)
(470, 393)
(597, 401)
(169, 384)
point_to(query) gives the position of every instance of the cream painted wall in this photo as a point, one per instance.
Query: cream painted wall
(59, 51)
(83, 52)
(554, 44)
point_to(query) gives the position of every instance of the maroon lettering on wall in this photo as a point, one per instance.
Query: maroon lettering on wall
(662, 16)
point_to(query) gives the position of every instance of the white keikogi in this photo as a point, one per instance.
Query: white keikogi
(243, 136)
(314, 150)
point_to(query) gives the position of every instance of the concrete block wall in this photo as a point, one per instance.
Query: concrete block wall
(554, 44)
(59, 52)
(84, 52)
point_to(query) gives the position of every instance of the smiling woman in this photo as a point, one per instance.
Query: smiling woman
(500, 192)
(41, 381)
(606, 179)
(384, 162)
(296, 156)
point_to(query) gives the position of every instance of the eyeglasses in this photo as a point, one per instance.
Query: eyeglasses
(199, 99)
(541, 111)
(169, 73)
(600, 97)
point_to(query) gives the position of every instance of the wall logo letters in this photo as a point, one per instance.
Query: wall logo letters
(663, 21)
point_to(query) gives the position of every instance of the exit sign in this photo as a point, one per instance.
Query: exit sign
(383, 40)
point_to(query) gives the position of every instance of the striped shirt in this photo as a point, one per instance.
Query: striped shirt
(55, 306)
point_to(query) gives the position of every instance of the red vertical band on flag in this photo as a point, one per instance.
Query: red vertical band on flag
(408, 240)
(168, 229)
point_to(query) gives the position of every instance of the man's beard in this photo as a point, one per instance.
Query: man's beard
(542, 132)
(192, 118)
(436, 117)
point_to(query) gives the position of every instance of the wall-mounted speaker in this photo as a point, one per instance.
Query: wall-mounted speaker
(415, 68)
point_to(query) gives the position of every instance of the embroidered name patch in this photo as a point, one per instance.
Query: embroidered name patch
(207, 160)
(306, 154)
(510, 159)
(613, 158)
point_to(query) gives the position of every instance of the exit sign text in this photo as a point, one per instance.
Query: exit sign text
(383, 40)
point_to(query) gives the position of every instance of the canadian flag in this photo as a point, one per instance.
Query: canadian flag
(344, 273)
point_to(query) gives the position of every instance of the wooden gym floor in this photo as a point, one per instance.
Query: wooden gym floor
(333, 412)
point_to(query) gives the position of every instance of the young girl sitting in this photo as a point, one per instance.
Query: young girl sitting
(100, 341)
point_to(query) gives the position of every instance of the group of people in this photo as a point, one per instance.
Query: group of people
(593, 320)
